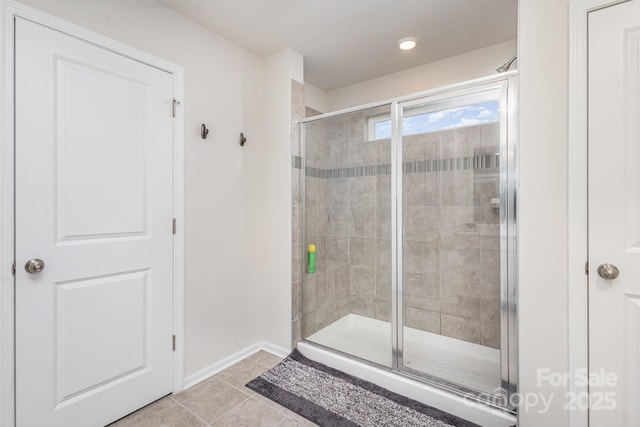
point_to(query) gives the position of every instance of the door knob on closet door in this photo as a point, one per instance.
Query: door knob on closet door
(35, 265)
(608, 271)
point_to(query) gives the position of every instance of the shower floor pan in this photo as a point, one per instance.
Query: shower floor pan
(454, 360)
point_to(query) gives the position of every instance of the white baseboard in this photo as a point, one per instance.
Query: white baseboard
(274, 349)
(223, 364)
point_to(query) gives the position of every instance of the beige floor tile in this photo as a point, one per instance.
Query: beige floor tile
(147, 411)
(231, 370)
(271, 403)
(300, 418)
(269, 360)
(295, 422)
(163, 413)
(203, 387)
(234, 369)
(219, 399)
(252, 412)
(242, 372)
(257, 355)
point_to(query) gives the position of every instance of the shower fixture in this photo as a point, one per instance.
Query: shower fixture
(505, 67)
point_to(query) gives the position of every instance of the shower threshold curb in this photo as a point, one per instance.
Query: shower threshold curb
(456, 405)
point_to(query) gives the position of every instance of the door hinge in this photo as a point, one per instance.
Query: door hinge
(586, 268)
(174, 226)
(175, 106)
(173, 342)
(13, 269)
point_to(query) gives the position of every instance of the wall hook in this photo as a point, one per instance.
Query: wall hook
(204, 131)
(243, 139)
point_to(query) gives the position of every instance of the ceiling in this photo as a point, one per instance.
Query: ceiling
(348, 41)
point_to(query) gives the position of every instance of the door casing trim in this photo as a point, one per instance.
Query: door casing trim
(9, 10)
(577, 196)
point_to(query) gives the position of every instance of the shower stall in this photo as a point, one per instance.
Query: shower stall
(410, 204)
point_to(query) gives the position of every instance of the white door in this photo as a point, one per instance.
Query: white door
(614, 214)
(94, 202)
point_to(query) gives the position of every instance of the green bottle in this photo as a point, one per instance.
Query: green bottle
(311, 259)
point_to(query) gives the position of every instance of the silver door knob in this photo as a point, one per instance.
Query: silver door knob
(35, 265)
(608, 271)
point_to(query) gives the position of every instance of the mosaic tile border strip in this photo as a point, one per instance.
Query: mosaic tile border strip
(296, 162)
(484, 161)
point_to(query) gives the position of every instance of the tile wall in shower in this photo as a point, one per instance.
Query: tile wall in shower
(343, 219)
(451, 254)
(324, 297)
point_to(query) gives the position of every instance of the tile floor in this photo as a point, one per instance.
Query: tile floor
(222, 400)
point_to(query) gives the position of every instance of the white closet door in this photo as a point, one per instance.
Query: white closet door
(94, 203)
(614, 215)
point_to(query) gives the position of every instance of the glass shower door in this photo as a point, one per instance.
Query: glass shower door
(452, 212)
(346, 299)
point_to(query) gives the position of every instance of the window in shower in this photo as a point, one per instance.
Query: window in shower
(415, 237)
(425, 119)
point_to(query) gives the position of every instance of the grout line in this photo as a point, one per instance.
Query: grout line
(252, 396)
(286, 417)
(231, 409)
(248, 396)
(238, 388)
(281, 421)
(191, 412)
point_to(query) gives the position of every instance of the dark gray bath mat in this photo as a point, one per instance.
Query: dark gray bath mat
(329, 397)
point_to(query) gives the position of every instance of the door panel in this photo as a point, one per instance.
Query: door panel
(94, 202)
(451, 256)
(614, 211)
(87, 147)
(95, 318)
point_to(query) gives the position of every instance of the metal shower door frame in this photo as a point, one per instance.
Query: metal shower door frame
(506, 87)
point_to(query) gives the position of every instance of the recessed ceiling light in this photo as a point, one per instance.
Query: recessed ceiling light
(407, 43)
